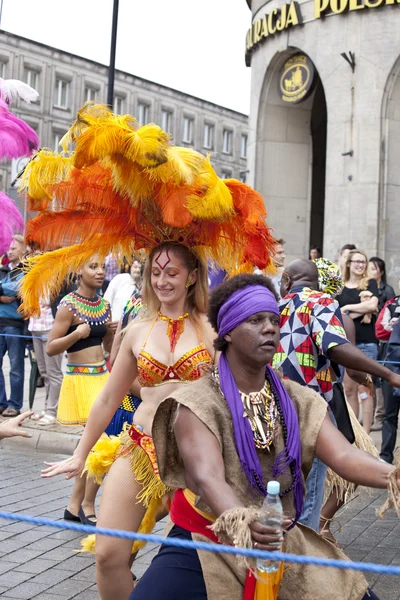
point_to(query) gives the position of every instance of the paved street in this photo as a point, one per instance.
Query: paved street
(41, 563)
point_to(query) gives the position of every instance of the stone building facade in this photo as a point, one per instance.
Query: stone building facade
(324, 148)
(65, 81)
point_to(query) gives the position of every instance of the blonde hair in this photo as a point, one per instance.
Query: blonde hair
(19, 239)
(364, 279)
(197, 297)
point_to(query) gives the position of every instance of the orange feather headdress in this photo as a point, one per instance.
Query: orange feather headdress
(126, 188)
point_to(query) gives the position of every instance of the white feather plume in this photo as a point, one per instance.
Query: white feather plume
(10, 89)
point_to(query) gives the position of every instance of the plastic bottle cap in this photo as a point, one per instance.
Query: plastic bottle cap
(273, 487)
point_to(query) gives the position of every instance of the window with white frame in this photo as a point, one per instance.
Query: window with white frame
(61, 93)
(90, 93)
(119, 103)
(208, 140)
(226, 174)
(3, 69)
(243, 176)
(243, 146)
(143, 112)
(31, 77)
(188, 126)
(166, 120)
(227, 141)
(57, 137)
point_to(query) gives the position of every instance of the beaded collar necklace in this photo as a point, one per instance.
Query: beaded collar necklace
(93, 311)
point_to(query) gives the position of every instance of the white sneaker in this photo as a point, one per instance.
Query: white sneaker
(47, 420)
(37, 416)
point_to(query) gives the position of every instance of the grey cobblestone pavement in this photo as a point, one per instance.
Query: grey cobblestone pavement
(41, 562)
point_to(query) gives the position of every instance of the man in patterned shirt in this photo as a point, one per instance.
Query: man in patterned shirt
(311, 326)
(312, 337)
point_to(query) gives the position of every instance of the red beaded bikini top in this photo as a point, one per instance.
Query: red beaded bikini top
(189, 367)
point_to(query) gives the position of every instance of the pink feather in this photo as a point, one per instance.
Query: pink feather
(11, 221)
(16, 137)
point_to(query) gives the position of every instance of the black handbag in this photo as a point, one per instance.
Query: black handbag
(341, 413)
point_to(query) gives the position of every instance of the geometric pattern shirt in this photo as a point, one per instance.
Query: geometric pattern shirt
(310, 325)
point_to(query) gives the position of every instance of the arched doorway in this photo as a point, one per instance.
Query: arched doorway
(290, 160)
(389, 192)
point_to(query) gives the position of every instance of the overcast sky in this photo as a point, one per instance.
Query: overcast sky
(196, 46)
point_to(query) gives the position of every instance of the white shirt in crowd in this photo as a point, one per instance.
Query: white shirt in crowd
(119, 291)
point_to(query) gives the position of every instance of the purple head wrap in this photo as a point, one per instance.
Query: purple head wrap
(240, 306)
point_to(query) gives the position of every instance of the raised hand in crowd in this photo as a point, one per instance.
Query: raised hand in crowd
(11, 427)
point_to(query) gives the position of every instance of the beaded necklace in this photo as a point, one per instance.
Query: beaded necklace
(278, 416)
(260, 409)
(175, 328)
(93, 311)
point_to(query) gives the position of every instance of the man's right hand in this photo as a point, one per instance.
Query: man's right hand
(268, 538)
(72, 466)
(83, 330)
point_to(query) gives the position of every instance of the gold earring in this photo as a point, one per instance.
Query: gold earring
(189, 281)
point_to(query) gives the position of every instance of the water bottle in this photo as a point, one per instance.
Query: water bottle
(272, 516)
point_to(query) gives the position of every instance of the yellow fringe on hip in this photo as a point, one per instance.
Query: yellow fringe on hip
(101, 457)
(88, 544)
(144, 470)
(345, 489)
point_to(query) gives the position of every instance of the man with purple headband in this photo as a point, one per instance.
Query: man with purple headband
(221, 439)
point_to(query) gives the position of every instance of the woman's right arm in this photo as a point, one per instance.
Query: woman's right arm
(58, 342)
(107, 402)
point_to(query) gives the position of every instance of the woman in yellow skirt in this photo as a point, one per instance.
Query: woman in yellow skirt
(81, 326)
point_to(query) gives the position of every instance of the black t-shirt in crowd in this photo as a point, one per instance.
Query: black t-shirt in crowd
(365, 332)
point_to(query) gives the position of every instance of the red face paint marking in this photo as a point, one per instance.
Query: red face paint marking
(156, 260)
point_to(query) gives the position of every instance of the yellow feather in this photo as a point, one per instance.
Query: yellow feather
(44, 170)
(88, 544)
(101, 457)
(182, 167)
(213, 201)
(94, 115)
(99, 134)
(147, 146)
(128, 179)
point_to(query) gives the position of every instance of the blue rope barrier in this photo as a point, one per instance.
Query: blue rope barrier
(26, 337)
(217, 548)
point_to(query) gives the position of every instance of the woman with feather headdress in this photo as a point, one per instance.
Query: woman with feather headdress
(122, 190)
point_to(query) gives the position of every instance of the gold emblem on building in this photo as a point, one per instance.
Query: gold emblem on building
(296, 79)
